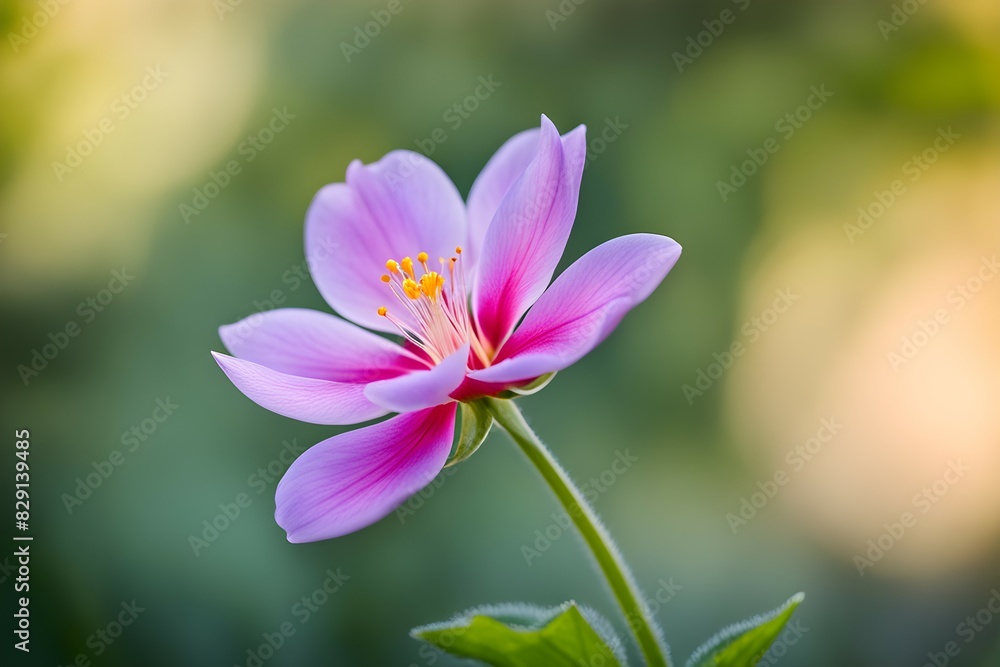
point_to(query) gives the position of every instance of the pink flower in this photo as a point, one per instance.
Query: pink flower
(395, 250)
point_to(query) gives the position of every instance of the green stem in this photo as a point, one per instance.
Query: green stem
(618, 576)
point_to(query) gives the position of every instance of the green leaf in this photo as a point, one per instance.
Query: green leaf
(517, 635)
(743, 644)
(476, 424)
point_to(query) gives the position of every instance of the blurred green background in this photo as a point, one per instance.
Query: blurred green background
(154, 98)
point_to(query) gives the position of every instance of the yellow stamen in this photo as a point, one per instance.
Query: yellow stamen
(422, 258)
(431, 283)
(438, 320)
(410, 288)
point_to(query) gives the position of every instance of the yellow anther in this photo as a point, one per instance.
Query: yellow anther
(431, 283)
(410, 288)
(437, 317)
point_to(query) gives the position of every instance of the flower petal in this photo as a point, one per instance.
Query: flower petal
(399, 206)
(583, 306)
(492, 184)
(311, 344)
(352, 480)
(306, 399)
(528, 233)
(421, 389)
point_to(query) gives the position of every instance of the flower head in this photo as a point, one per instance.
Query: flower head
(395, 250)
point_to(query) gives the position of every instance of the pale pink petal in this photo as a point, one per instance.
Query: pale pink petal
(492, 184)
(528, 233)
(399, 206)
(583, 306)
(354, 479)
(302, 398)
(421, 389)
(312, 344)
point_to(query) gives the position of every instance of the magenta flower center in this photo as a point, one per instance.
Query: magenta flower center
(437, 302)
